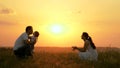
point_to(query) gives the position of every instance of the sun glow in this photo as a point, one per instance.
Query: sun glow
(56, 29)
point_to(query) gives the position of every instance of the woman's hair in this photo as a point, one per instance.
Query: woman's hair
(85, 34)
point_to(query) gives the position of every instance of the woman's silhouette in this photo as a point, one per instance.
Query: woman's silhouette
(88, 52)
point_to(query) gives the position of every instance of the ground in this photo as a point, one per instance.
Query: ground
(54, 57)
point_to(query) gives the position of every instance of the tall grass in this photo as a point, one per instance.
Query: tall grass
(62, 59)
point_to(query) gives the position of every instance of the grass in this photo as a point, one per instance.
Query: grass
(59, 58)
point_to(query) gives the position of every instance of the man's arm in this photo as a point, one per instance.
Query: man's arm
(27, 42)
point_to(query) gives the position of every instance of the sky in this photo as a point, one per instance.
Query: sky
(61, 22)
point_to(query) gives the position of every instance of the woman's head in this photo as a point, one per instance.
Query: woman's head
(85, 36)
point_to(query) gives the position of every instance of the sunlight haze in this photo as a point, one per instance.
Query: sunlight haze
(61, 22)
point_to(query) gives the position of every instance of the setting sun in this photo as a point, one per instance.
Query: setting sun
(56, 29)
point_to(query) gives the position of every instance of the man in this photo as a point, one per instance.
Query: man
(22, 44)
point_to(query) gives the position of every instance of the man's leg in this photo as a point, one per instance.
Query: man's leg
(19, 53)
(28, 50)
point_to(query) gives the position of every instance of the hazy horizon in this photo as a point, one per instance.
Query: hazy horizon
(61, 22)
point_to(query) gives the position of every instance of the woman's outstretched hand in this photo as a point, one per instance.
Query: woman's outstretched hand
(74, 48)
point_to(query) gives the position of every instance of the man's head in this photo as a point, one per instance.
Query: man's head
(29, 30)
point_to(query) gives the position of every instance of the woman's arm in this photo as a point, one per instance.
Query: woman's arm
(76, 48)
(82, 49)
(85, 45)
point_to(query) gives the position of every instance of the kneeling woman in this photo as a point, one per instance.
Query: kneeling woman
(88, 52)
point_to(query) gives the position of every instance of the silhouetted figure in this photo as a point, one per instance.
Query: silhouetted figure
(33, 40)
(22, 44)
(88, 52)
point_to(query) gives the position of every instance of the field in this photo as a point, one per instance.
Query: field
(48, 57)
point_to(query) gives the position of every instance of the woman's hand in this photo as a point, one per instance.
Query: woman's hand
(79, 49)
(74, 48)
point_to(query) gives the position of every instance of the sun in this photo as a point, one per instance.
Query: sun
(56, 29)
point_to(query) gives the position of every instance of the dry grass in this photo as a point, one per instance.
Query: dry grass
(46, 57)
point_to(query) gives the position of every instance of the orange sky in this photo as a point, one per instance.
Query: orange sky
(100, 18)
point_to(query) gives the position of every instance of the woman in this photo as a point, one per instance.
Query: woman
(88, 52)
